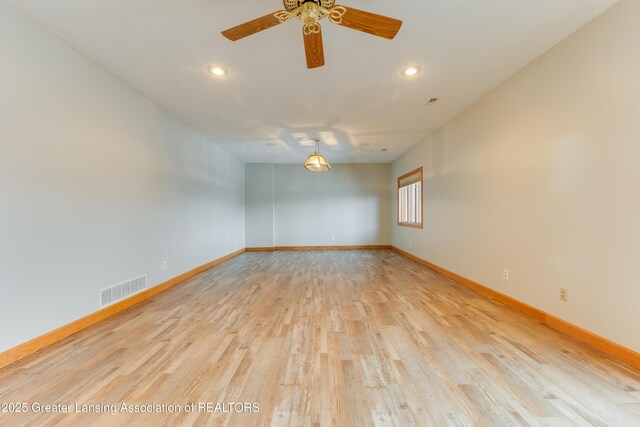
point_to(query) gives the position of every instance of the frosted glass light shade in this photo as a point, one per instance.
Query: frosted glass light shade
(317, 163)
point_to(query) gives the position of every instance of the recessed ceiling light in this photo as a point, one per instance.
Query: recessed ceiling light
(217, 71)
(384, 149)
(411, 71)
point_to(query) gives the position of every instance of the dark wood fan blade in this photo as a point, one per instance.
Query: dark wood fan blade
(378, 25)
(251, 27)
(313, 48)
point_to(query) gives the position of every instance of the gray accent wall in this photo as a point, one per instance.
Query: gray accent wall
(286, 205)
(259, 205)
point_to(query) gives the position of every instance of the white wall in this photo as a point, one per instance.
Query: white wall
(259, 205)
(350, 205)
(97, 184)
(542, 177)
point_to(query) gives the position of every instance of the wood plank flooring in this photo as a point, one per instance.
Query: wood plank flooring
(338, 338)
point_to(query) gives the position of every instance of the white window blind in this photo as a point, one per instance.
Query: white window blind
(410, 199)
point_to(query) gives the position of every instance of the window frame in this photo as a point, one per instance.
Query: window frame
(419, 225)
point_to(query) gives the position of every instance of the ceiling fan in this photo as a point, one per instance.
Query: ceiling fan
(312, 11)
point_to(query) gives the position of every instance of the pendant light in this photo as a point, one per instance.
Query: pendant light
(316, 162)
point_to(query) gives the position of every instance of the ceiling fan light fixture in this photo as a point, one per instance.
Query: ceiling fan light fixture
(316, 161)
(411, 71)
(310, 13)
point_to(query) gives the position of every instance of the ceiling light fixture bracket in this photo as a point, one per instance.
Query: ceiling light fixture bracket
(282, 16)
(336, 14)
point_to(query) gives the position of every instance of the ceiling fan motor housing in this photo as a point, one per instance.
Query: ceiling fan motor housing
(309, 11)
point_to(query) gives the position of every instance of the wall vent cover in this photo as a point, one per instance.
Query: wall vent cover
(122, 290)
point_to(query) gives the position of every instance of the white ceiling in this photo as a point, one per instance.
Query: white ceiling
(263, 110)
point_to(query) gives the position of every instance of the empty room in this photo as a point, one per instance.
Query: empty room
(310, 213)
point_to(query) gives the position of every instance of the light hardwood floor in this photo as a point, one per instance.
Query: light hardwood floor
(326, 338)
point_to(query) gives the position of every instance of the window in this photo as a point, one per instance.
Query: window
(410, 199)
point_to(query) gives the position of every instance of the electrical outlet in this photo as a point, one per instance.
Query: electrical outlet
(505, 274)
(164, 265)
(410, 243)
(333, 237)
(564, 294)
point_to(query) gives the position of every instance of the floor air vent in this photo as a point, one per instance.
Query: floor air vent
(122, 290)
